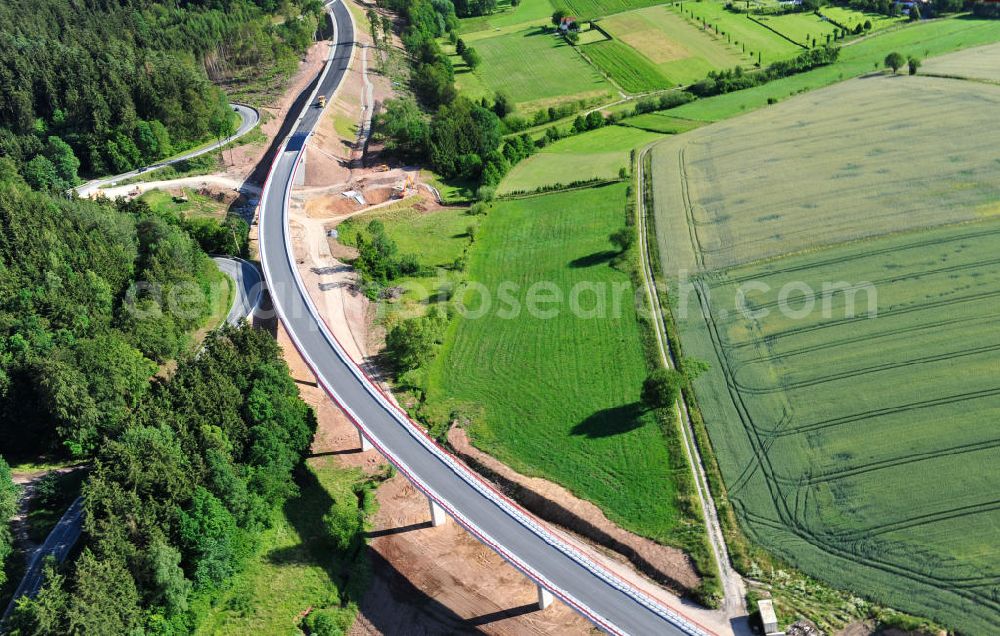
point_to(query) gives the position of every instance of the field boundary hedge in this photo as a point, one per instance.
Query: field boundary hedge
(557, 187)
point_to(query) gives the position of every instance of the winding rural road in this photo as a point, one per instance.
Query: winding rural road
(249, 286)
(62, 538)
(249, 118)
(518, 537)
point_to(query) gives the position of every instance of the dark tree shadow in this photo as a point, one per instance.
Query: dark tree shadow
(613, 421)
(597, 258)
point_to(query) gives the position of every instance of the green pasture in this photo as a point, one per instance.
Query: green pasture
(436, 238)
(805, 172)
(851, 18)
(631, 71)
(196, 206)
(536, 69)
(553, 392)
(662, 123)
(529, 11)
(739, 30)
(804, 28)
(923, 40)
(597, 154)
(683, 52)
(589, 9)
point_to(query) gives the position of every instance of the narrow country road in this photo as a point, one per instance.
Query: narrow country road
(733, 587)
(249, 118)
(249, 286)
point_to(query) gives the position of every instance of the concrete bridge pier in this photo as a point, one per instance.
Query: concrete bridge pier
(363, 442)
(438, 518)
(544, 598)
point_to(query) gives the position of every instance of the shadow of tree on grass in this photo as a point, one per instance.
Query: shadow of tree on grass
(613, 421)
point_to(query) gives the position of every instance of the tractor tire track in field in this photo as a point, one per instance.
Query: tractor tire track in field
(936, 304)
(689, 210)
(861, 255)
(890, 410)
(875, 368)
(827, 294)
(833, 344)
(790, 522)
(882, 464)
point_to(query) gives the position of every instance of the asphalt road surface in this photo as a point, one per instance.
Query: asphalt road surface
(249, 286)
(249, 118)
(514, 534)
(58, 545)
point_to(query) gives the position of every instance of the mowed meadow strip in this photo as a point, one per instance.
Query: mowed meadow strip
(532, 67)
(596, 154)
(631, 71)
(836, 260)
(682, 51)
(557, 395)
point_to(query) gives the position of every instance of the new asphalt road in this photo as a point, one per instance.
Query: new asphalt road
(249, 118)
(499, 523)
(249, 286)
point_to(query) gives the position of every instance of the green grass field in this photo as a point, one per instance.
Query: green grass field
(598, 154)
(534, 68)
(981, 63)
(851, 18)
(631, 71)
(436, 238)
(924, 40)
(589, 9)
(683, 52)
(557, 395)
(804, 28)
(837, 147)
(529, 11)
(296, 570)
(742, 32)
(662, 123)
(854, 445)
(197, 205)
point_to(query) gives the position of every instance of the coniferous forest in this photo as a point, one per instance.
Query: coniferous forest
(188, 451)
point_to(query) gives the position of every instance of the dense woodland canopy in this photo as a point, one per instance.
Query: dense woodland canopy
(176, 501)
(189, 460)
(78, 339)
(106, 86)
